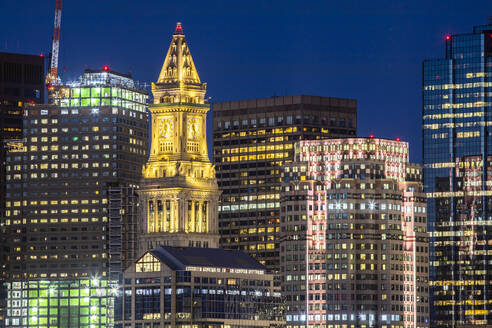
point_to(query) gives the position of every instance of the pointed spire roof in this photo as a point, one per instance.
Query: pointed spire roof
(178, 65)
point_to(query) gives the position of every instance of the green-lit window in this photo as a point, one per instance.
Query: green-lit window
(95, 101)
(116, 92)
(85, 102)
(85, 92)
(33, 302)
(106, 92)
(43, 293)
(74, 302)
(64, 302)
(75, 93)
(116, 102)
(75, 102)
(33, 293)
(64, 103)
(95, 92)
(105, 102)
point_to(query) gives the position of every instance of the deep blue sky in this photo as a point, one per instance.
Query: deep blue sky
(367, 50)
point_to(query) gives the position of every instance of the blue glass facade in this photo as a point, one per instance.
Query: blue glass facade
(457, 113)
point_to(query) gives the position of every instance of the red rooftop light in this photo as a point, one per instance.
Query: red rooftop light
(448, 37)
(398, 139)
(371, 136)
(179, 28)
(106, 68)
(41, 55)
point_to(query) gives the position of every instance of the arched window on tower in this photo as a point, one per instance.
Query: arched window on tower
(167, 223)
(204, 217)
(160, 217)
(150, 220)
(197, 218)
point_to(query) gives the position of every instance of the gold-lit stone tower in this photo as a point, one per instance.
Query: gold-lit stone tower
(179, 193)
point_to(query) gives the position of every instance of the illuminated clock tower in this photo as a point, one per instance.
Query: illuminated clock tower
(178, 193)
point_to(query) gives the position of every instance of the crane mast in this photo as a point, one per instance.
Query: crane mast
(51, 78)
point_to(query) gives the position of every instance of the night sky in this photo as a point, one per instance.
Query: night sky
(368, 50)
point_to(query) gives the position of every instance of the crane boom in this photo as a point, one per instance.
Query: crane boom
(52, 76)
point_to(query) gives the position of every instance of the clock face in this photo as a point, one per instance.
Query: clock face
(166, 127)
(193, 128)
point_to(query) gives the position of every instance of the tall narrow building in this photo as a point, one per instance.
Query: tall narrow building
(21, 80)
(179, 192)
(457, 100)
(253, 139)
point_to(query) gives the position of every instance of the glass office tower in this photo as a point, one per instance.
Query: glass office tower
(457, 101)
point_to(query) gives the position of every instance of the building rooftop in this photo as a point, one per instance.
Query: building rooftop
(285, 100)
(178, 258)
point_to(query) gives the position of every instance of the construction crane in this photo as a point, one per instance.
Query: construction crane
(52, 76)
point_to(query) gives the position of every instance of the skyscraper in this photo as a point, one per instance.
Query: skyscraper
(252, 139)
(353, 246)
(179, 192)
(21, 80)
(457, 91)
(57, 214)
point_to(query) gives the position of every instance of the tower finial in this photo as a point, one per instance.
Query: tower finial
(179, 28)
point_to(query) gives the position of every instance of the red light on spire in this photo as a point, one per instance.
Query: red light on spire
(371, 136)
(179, 28)
(106, 68)
(448, 37)
(41, 55)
